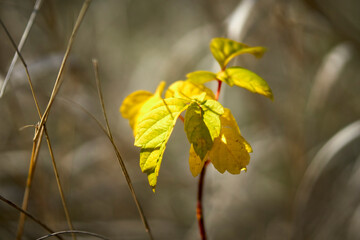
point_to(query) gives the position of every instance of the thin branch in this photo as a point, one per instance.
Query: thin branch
(33, 161)
(29, 215)
(21, 44)
(199, 207)
(59, 81)
(62, 196)
(35, 156)
(74, 232)
(121, 162)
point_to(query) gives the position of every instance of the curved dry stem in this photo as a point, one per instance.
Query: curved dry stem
(73, 232)
(121, 162)
(29, 215)
(59, 81)
(35, 151)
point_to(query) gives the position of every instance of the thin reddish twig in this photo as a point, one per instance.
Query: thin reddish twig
(199, 207)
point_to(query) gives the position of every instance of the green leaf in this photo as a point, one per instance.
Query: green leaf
(156, 125)
(230, 151)
(246, 79)
(153, 132)
(188, 90)
(212, 111)
(201, 77)
(150, 162)
(196, 130)
(224, 50)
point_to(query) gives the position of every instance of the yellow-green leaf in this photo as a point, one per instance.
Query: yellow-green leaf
(195, 163)
(150, 162)
(153, 132)
(138, 103)
(188, 90)
(201, 77)
(247, 79)
(224, 50)
(212, 111)
(196, 130)
(157, 124)
(230, 150)
(132, 104)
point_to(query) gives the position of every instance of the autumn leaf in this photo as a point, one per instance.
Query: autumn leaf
(188, 90)
(153, 132)
(201, 77)
(230, 151)
(137, 104)
(224, 50)
(212, 111)
(196, 130)
(195, 163)
(247, 79)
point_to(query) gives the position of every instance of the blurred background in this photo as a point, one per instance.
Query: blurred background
(303, 179)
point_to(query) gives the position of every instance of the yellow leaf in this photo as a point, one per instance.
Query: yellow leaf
(201, 76)
(246, 79)
(188, 90)
(153, 132)
(195, 163)
(224, 50)
(132, 104)
(150, 162)
(137, 104)
(196, 130)
(230, 151)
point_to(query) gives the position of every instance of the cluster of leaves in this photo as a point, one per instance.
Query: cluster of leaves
(210, 128)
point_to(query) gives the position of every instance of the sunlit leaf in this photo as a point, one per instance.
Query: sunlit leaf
(224, 50)
(153, 132)
(201, 77)
(132, 104)
(150, 162)
(156, 125)
(195, 163)
(137, 104)
(230, 151)
(188, 90)
(247, 79)
(212, 111)
(196, 130)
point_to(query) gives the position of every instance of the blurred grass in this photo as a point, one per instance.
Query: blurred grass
(138, 44)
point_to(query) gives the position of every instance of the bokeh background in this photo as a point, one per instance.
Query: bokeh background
(303, 181)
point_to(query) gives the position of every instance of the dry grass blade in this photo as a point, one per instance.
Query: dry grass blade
(59, 81)
(73, 232)
(121, 162)
(10, 203)
(21, 44)
(35, 151)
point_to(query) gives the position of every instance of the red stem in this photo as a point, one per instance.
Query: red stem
(218, 90)
(199, 208)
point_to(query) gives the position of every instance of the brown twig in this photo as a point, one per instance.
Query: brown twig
(59, 80)
(121, 162)
(29, 215)
(73, 232)
(42, 128)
